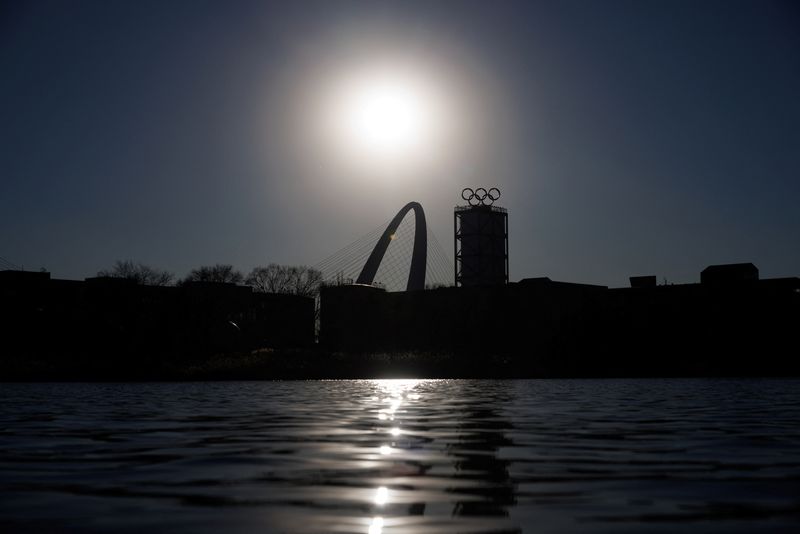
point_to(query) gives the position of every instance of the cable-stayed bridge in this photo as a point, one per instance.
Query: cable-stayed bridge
(394, 271)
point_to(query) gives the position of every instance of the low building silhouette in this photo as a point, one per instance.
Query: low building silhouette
(730, 324)
(729, 274)
(643, 281)
(111, 317)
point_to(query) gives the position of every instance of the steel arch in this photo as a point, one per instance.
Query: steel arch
(419, 256)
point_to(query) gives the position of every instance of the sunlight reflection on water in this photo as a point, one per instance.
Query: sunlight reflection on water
(397, 392)
(392, 456)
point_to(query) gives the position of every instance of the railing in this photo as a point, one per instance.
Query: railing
(481, 208)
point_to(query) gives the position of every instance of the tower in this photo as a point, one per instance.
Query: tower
(480, 239)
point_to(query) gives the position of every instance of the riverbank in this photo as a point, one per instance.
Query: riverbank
(263, 364)
(316, 363)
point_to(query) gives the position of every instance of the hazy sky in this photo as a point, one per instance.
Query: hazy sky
(628, 138)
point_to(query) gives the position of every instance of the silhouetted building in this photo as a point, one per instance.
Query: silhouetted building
(481, 245)
(729, 274)
(368, 318)
(565, 329)
(9, 278)
(113, 316)
(643, 281)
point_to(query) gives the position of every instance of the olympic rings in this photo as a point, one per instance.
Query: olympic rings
(480, 196)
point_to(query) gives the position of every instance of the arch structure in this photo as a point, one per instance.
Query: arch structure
(419, 256)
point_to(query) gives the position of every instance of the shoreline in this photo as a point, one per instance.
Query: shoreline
(319, 364)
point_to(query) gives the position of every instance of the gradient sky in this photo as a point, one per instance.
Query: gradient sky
(627, 137)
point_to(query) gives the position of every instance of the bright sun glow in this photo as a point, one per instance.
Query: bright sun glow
(386, 115)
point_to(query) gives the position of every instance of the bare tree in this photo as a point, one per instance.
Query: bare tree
(295, 280)
(306, 281)
(139, 273)
(215, 273)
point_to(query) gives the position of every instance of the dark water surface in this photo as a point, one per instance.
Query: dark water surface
(390, 456)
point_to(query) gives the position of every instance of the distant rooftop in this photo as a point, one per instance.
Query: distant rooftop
(729, 273)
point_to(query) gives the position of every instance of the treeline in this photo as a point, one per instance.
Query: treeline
(274, 278)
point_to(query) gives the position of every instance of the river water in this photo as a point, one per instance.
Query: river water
(392, 456)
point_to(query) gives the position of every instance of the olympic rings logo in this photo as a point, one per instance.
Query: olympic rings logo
(480, 196)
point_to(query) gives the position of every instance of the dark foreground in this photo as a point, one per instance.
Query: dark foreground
(402, 456)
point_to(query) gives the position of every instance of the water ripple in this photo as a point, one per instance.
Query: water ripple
(416, 456)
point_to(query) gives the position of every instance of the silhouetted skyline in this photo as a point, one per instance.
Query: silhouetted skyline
(628, 138)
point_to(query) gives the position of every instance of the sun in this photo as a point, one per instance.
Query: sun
(386, 115)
